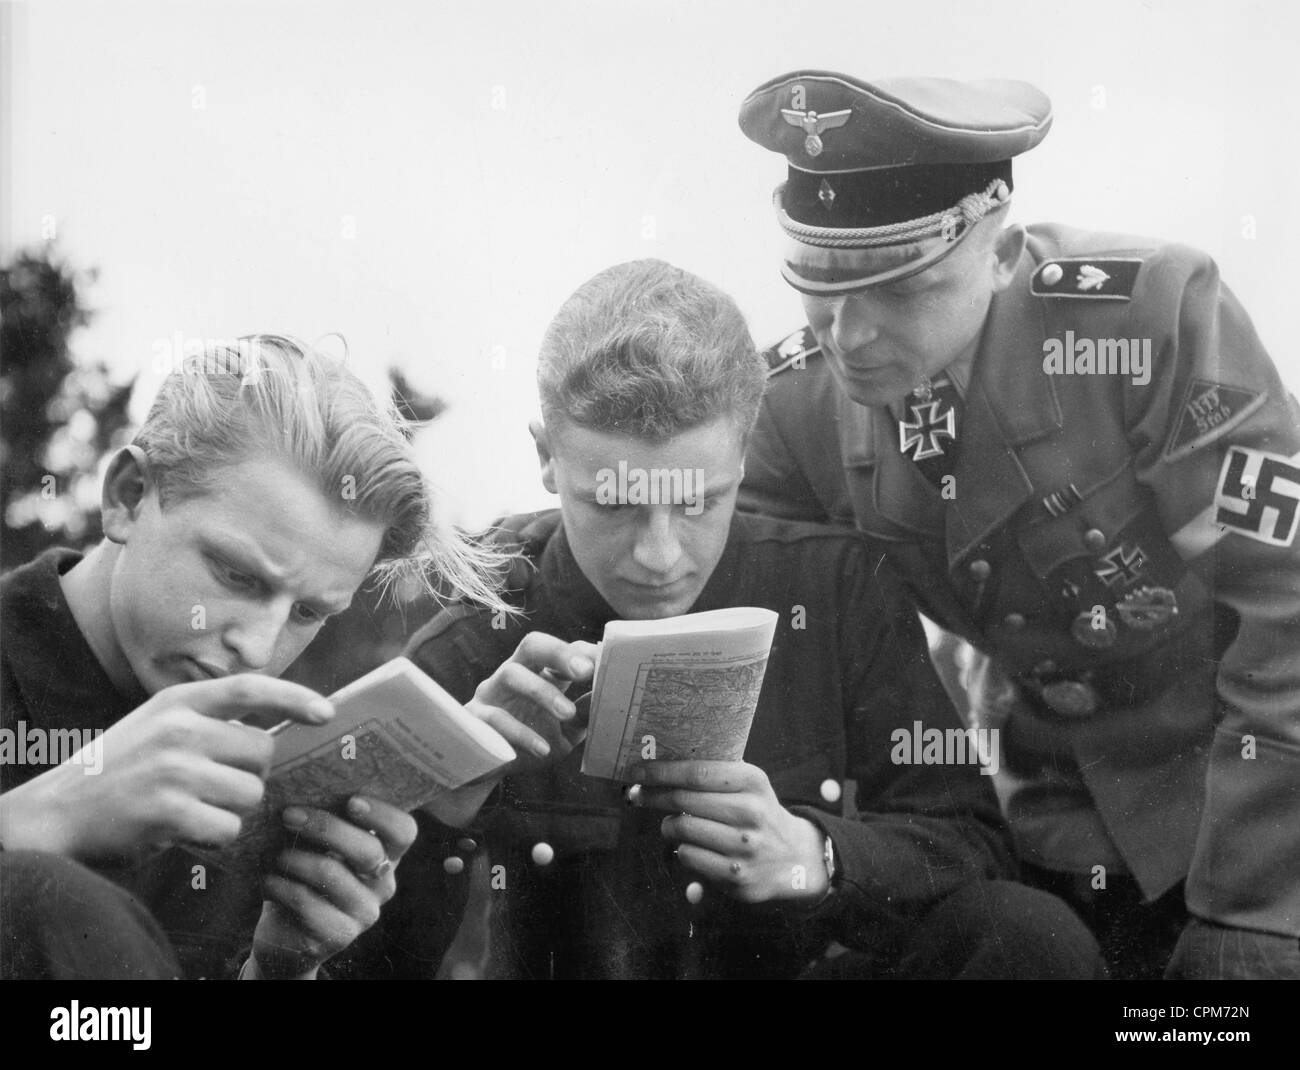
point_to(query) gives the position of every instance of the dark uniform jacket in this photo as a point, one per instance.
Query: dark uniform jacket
(1084, 507)
(612, 902)
(50, 680)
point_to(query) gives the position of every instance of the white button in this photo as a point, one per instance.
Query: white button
(1052, 274)
(831, 790)
(543, 854)
(694, 892)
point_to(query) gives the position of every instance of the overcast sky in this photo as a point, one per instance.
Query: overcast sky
(432, 179)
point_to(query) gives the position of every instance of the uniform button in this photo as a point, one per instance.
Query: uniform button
(467, 845)
(1014, 621)
(1052, 274)
(1095, 540)
(980, 570)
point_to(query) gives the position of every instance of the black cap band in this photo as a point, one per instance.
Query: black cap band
(886, 195)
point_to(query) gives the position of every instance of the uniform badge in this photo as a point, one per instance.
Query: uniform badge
(1090, 278)
(814, 125)
(1071, 698)
(1209, 410)
(792, 346)
(1060, 502)
(791, 351)
(1087, 633)
(925, 429)
(1148, 608)
(1259, 495)
(1121, 566)
(1107, 278)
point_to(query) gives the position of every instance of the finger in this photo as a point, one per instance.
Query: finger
(710, 835)
(710, 865)
(327, 927)
(334, 884)
(190, 794)
(697, 775)
(516, 733)
(538, 651)
(195, 822)
(514, 680)
(246, 693)
(727, 809)
(393, 827)
(361, 852)
(236, 790)
(233, 744)
(181, 738)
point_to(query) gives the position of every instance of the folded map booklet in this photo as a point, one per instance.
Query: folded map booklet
(680, 687)
(395, 736)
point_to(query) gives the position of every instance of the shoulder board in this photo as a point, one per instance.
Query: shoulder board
(1095, 278)
(791, 352)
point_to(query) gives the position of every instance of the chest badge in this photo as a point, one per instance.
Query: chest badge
(1148, 608)
(1121, 566)
(1094, 631)
(931, 420)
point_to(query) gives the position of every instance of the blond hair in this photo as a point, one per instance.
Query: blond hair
(270, 395)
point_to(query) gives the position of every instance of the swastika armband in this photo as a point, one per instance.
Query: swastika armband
(1257, 495)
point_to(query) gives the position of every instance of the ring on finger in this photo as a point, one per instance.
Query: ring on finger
(382, 867)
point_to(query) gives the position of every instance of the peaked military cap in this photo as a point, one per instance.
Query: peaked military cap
(893, 163)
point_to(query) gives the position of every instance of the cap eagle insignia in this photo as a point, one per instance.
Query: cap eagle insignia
(814, 125)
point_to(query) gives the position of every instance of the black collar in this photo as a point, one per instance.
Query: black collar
(582, 609)
(60, 681)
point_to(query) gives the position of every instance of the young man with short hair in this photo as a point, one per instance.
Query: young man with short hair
(653, 369)
(262, 490)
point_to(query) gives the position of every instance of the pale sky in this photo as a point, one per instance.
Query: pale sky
(431, 180)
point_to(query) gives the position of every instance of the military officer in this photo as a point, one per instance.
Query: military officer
(1079, 454)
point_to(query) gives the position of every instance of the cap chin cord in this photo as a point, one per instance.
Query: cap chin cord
(953, 225)
(967, 212)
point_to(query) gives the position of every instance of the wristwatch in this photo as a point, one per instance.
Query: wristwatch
(832, 868)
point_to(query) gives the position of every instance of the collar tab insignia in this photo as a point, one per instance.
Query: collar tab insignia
(1105, 278)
